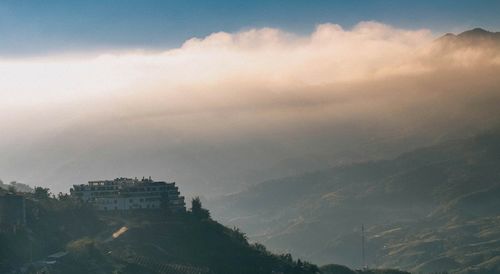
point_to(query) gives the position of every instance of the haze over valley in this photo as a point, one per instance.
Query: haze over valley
(299, 103)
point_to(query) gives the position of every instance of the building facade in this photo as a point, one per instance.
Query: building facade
(129, 194)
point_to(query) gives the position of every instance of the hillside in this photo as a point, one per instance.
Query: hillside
(176, 246)
(432, 209)
(65, 236)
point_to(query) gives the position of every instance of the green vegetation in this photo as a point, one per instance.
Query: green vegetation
(150, 242)
(51, 223)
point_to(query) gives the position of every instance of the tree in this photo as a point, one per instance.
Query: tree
(197, 209)
(239, 235)
(63, 196)
(41, 193)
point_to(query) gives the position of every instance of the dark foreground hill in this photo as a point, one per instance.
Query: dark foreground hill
(433, 209)
(64, 236)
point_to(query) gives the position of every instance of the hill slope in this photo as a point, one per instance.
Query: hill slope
(62, 235)
(432, 209)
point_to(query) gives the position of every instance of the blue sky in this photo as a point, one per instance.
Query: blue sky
(42, 27)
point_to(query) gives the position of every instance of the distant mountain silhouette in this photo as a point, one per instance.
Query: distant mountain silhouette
(469, 37)
(478, 33)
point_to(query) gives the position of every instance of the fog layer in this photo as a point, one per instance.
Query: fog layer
(231, 109)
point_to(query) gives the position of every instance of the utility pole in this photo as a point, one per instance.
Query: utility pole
(31, 251)
(363, 258)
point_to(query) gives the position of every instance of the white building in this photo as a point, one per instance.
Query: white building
(128, 194)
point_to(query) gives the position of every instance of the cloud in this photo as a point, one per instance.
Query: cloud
(222, 108)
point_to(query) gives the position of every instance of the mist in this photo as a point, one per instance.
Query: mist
(228, 110)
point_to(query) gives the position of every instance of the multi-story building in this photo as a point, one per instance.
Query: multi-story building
(128, 194)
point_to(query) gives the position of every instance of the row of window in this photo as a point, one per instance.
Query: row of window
(162, 189)
(148, 206)
(116, 193)
(131, 201)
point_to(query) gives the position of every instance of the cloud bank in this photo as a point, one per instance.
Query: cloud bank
(234, 108)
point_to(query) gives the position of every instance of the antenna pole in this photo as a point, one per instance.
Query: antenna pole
(363, 246)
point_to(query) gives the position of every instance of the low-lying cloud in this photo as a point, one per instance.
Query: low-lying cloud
(233, 108)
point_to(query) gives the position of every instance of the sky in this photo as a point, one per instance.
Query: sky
(58, 26)
(223, 95)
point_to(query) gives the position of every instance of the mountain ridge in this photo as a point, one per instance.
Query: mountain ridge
(470, 38)
(437, 188)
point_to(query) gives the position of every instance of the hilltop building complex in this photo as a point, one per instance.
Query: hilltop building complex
(129, 194)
